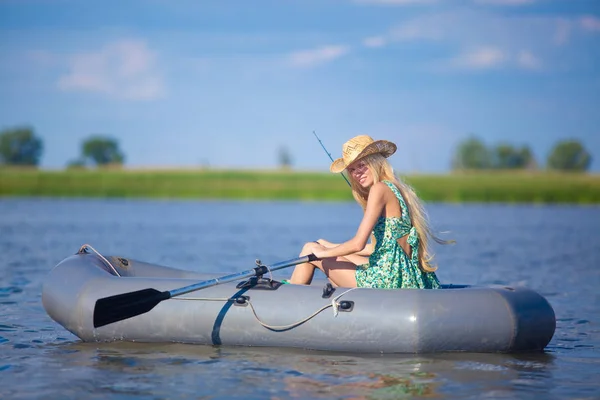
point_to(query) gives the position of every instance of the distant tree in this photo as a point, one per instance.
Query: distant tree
(101, 150)
(20, 146)
(529, 159)
(285, 159)
(506, 156)
(76, 164)
(472, 154)
(569, 155)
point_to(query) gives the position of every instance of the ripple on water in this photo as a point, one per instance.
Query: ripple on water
(7, 291)
(7, 328)
(568, 339)
(566, 369)
(20, 281)
(479, 366)
(205, 362)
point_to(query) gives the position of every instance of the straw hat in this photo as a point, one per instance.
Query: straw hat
(359, 147)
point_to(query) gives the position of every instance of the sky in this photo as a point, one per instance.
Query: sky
(228, 84)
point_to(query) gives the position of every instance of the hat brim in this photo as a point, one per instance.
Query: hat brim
(383, 147)
(337, 166)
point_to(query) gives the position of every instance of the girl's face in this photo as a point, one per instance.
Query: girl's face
(361, 173)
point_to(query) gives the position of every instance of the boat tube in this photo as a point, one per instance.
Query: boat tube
(260, 311)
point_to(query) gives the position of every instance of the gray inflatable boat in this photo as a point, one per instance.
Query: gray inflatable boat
(259, 311)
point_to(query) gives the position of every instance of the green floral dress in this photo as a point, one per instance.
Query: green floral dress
(389, 266)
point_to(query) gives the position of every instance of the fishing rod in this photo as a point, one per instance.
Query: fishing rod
(331, 158)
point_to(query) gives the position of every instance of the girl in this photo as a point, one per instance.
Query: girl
(398, 255)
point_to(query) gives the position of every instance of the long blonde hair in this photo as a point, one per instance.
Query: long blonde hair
(382, 170)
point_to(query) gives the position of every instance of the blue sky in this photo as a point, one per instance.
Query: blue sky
(228, 83)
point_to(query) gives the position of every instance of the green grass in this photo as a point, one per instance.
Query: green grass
(510, 187)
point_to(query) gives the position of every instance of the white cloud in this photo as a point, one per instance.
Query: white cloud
(321, 55)
(493, 39)
(42, 58)
(374, 41)
(480, 58)
(562, 33)
(527, 60)
(489, 57)
(395, 2)
(124, 69)
(590, 23)
(475, 28)
(425, 28)
(505, 2)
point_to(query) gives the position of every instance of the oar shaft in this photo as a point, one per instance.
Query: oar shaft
(126, 305)
(257, 271)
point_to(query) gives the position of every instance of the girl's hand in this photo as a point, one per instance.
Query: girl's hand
(326, 243)
(318, 254)
(314, 248)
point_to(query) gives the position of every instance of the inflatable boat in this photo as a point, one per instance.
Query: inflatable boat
(108, 298)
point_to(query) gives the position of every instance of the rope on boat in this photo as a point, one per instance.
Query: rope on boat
(87, 246)
(268, 269)
(334, 304)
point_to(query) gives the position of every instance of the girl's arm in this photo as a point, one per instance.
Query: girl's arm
(365, 252)
(358, 243)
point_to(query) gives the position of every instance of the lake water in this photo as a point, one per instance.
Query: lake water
(554, 250)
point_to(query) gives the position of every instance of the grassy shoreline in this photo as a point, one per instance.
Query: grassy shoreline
(509, 187)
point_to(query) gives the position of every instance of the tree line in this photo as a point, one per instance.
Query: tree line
(565, 155)
(20, 146)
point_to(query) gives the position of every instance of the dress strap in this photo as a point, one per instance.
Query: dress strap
(398, 194)
(412, 236)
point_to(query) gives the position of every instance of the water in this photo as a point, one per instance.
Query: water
(554, 250)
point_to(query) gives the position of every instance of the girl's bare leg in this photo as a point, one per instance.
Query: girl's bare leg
(340, 270)
(303, 273)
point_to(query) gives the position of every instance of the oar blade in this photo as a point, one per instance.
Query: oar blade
(123, 306)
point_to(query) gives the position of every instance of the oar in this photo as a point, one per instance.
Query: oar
(122, 306)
